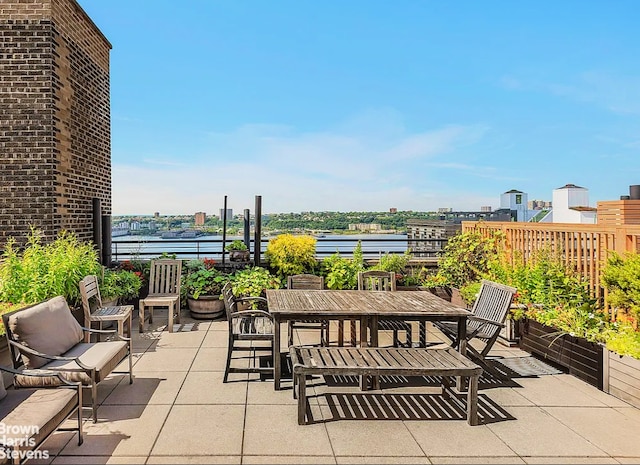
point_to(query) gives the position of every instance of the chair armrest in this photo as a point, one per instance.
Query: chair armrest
(485, 321)
(245, 313)
(250, 298)
(31, 351)
(42, 374)
(99, 331)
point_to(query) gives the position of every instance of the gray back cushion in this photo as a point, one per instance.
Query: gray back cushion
(3, 391)
(48, 327)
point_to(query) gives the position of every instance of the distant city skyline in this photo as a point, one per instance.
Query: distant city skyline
(368, 105)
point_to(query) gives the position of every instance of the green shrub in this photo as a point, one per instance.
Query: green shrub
(253, 281)
(202, 279)
(289, 255)
(621, 277)
(120, 284)
(341, 272)
(40, 272)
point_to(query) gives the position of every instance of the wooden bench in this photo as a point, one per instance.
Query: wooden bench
(373, 361)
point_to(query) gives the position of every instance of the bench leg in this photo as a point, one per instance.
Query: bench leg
(472, 401)
(302, 398)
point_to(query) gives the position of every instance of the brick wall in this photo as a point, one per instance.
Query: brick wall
(55, 153)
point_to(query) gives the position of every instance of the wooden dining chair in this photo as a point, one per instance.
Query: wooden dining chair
(308, 281)
(164, 290)
(488, 315)
(374, 280)
(95, 311)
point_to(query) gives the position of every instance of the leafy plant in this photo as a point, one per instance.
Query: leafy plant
(397, 263)
(42, 271)
(290, 255)
(236, 245)
(116, 284)
(202, 279)
(342, 273)
(621, 277)
(253, 281)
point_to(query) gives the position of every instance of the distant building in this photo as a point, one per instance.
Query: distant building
(426, 238)
(156, 214)
(516, 201)
(229, 214)
(539, 205)
(486, 209)
(365, 227)
(393, 210)
(571, 205)
(200, 218)
(445, 210)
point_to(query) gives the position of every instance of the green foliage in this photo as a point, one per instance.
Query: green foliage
(341, 272)
(623, 339)
(398, 263)
(120, 284)
(466, 258)
(236, 245)
(43, 271)
(621, 277)
(253, 281)
(289, 255)
(203, 281)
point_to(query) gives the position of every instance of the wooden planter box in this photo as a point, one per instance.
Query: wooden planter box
(582, 359)
(621, 377)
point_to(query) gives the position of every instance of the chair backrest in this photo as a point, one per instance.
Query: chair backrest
(305, 281)
(90, 295)
(493, 302)
(229, 301)
(164, 278)
(376, 281)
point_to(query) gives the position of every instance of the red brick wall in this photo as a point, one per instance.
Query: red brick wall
(55, 153)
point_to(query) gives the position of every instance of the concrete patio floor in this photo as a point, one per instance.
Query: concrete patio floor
(179, 411)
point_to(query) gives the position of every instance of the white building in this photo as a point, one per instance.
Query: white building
(571, 205)
(516, 200)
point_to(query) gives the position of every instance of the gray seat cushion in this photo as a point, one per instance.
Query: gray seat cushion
(47, 327)
(40, 410)
(105, 356)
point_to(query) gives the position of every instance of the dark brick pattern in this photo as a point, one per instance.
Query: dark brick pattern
(55, 152)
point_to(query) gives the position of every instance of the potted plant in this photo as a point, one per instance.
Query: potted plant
(119, 285)
(290, 255)
(202, 286)
(252, 282)
(238, 251)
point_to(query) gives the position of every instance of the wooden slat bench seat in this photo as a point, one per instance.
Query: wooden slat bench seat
(373, 361)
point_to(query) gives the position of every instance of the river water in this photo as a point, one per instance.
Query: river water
(145, 247)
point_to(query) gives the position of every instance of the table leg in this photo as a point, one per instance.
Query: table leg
(373, 327)
(422, 337)
(277, 369)
(462, 348)
(340, 333)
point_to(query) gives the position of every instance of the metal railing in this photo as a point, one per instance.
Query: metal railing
(372, 248)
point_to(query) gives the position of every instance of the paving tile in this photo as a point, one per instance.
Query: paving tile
(507, 397)
(455, 438)
(55, 443)
(472, 459)
(551, 390)
(181, 339)
(205, 429)
(121, 431)
(364, 438)
(633, 460)
(215, 359)
(631, 412)
(197, 459)
(569, 460)
(535, 432)
(148, 388)
(97, 460)
(611, 431)
(287, 459)
(216, 339)
(274, 430)
(177, 359)
(262, 393)
(206, 387)
(592, 391)
(375, 460)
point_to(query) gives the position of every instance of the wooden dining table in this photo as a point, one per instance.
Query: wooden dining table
(366, 306)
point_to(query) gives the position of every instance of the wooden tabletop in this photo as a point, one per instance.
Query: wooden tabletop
(418, 304)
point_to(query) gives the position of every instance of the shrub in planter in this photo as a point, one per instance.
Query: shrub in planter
(289, 255)
(238, 251)
(42, 271)
(252, 282)
(120, 285)
(341, 272)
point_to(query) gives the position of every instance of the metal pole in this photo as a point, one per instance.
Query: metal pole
(247, 228)
(106, 240)
(257, 232)
(97, 226)
(224, 229)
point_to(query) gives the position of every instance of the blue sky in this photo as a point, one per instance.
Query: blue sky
(368, 104)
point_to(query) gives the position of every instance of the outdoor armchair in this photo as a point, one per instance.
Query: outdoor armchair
(47, 336)
(308, 281)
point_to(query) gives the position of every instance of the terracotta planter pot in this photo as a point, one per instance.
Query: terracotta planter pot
(206, 307)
